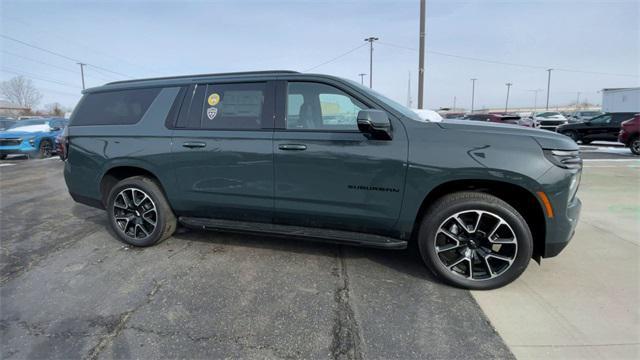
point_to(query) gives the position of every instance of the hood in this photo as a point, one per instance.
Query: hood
(546, 139)
(24, 131)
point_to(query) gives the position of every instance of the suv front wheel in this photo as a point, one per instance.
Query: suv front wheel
(139, 212)
(475, 241)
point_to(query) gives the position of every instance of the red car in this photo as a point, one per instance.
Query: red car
(630, 134)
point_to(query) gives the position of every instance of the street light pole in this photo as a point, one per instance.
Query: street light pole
(82, 65)
(578, 101)
(423, 7)
(548, 86)
(454, 103)
(362, 78)
(473, 92)
(371, 40)
(506, 104)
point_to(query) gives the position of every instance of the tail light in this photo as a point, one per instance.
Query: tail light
(64, 143)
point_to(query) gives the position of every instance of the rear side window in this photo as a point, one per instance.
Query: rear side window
(233, 106)
(115, 107)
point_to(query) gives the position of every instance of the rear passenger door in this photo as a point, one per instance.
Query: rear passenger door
(222, 151)
(327, 172)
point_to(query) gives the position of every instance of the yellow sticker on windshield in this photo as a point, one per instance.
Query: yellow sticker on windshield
(213, 99)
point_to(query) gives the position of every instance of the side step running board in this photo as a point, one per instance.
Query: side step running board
(298, 232)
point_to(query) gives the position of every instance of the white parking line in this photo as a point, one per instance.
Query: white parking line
(1, 165)
(617, 160)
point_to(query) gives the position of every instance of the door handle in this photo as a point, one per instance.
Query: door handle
(194, 144)
(292, 147)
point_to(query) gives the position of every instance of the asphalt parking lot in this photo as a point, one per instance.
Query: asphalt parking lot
(69, 289)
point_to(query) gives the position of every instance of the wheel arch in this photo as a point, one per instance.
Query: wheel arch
(117, 173)
(525, 202)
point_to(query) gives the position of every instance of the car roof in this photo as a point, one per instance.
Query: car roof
(188, 79)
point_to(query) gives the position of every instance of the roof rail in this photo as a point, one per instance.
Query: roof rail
(266, 72)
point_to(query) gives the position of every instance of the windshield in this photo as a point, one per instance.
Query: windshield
(395, 105)
(23, 123)
(548, 114)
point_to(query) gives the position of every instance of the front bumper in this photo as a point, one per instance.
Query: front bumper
(560, 186)
(23, 148)
(564, 230)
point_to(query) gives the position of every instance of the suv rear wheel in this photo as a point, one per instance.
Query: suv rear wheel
(475, 241)
(139, 212)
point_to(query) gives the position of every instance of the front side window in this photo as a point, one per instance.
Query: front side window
(315, 106)
(601, 120)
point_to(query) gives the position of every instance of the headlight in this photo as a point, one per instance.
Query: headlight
(565, 159)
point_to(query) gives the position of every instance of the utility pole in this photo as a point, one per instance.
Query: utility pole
(454, 103)
(473, 92)
(371, 40)
(82, 65)
(506, 104)
(535, 100)
(578, 101)
(409, 102)
(548, 86)
(362, 78)
(423, 7)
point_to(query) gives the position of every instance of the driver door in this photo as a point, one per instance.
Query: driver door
(328, 173)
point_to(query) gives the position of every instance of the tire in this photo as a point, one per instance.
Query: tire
(634, 145)
(129, 209)
(586, 142)
(3, 156)
(572, 134)
(494, 263)
(45, 149)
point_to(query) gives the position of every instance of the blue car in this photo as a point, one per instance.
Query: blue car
(33, 137)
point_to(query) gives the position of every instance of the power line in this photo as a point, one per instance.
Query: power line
(38, 77)
(59, 55)
(49, 64)
(82, 45)
(336, 58)
(504, 62)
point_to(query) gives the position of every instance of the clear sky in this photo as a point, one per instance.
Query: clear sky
(161, 38)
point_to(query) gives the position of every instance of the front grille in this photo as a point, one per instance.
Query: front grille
(10, 142)
(551, 122)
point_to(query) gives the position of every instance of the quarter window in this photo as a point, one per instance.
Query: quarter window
(115, 107)
(315, 106)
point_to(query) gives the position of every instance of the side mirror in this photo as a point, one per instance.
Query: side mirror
(376, 123)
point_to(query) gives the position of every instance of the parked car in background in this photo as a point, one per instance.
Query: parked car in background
(6, 123)
(583, 115)
(453, 116)
(601, 128)
(261, 152)
(32, 137)
(549, 120)
(500, 118)
(630, 134)
(428, 115)
(61, 143)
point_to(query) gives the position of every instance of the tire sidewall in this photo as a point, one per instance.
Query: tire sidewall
(142, 185)
(39, 154)
(572, 134)
(430, 225)
(634, 140)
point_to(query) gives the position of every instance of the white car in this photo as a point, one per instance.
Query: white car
(428, 115)
(549, 120)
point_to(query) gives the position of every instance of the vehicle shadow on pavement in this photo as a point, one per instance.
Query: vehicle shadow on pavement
(406, 261)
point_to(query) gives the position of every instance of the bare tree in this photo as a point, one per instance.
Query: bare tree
(20, 91)
(55, 109)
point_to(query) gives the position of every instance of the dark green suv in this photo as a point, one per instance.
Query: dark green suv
(322, 158)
